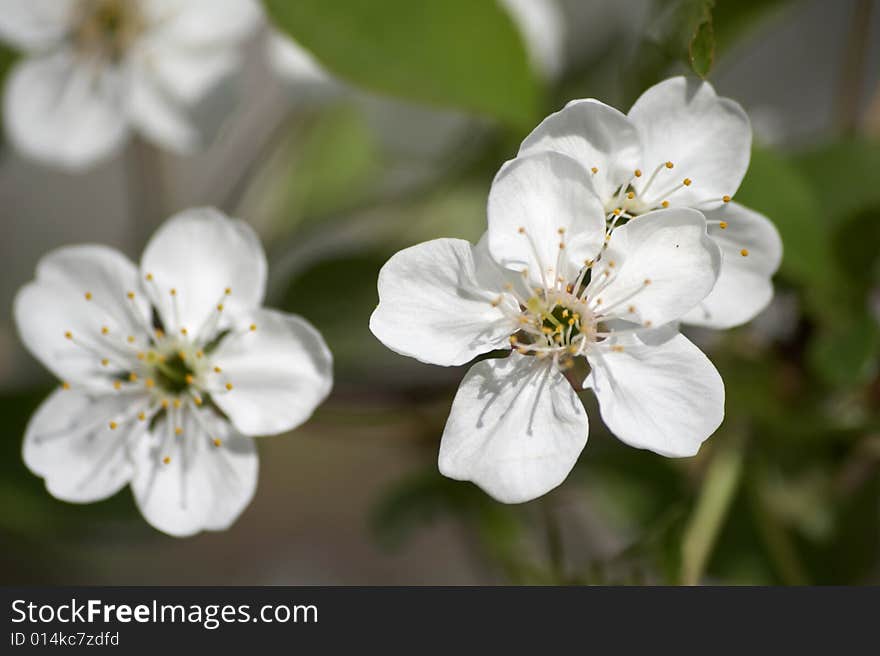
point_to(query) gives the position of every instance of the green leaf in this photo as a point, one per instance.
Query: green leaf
(457, 53)
(701, 47)
(844, 176)
(845, 349)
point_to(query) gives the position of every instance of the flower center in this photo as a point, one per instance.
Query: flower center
(106, 28)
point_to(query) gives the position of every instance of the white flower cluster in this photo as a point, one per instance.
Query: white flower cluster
(604, 234)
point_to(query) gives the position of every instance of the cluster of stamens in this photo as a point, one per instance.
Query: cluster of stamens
(565, 319)
(105, 28)
(627, 202)
(168, 372)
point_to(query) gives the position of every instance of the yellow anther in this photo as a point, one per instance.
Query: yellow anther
(142, 416)
(665, 203)
(573, 349)
(227, 291)
(181, 355)
(565, 313)
(184, 332)
(105, 362)
(159, 333)
(130, 339)
(198, 400)
(617, 348)
(744, 252)
(669, 165)
(133, 377)
(217, 370)
(546, 330)
(648, 324)
(571, 322)
(113, 425)
(594, 169)
(141, 355)
(173, 291)
(612, 263)
(200, 354)
(104, 330)
(176, 403)
(189, 379)
(598, 301)
(686, 182)
(150, 383)
(630, 194)
(65, 386)
(178, 431)
(514, 339)
(723, 225)
(88, 296)
(252, 327)
(166, 460)
(217, 442)
(165, 404)
(117, 385)
(725, 198)
(561, 245)
(647, 281)
(228, 387)
(522, 350)
(149, 277)
(638, 173)
(219, 307)
(561, 231)
(631, 309)
(617, 211)
(68, 334)
(521, 230)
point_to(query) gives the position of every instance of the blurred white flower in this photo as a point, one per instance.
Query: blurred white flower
(94, 70)
(681, 145)
(544, 283)
(167, 372)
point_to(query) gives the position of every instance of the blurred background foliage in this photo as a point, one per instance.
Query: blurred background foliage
(425, 102)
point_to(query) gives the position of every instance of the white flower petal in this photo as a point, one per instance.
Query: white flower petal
(203, 24)
(63, 111)
(70, 444)
(665, 396)
(660, 266)
(597, 136)
(706, 137)
(35, 24)
(280, 372)
(516, 428)
(201, 486)
(436, 303)
(744, 287)
(531, 200)
(199, 253)
(160, 116)
(542, 27)
(294, 63)
(80, 289)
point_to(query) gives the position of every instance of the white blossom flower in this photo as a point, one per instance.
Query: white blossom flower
(544, 282)
(168, 371)
(94, 70)
(681, 145)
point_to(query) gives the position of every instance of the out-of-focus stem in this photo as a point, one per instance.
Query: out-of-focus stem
(719, 487)
(852, 70)
(145, 190)
(555, 546)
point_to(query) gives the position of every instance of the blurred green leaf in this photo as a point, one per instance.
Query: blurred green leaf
(845, 349)
(774, 187)
(843, 176)
(457, 53)
(701, 45)
(733, 19)
(328, 167)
